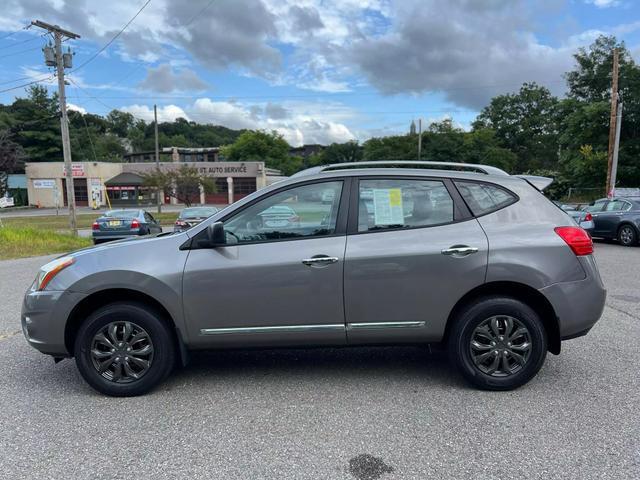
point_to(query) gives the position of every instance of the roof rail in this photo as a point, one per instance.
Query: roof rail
(485, 169)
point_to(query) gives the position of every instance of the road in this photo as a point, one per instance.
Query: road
(360, 413)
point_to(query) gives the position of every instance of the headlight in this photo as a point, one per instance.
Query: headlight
(50, 270)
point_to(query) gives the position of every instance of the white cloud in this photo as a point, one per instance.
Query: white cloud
(77, 108)
(293, 119)
(167, 113)
(165, 79)
(604, 3)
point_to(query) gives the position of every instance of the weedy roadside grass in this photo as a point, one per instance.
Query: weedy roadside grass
(30, 242)
(61, 222)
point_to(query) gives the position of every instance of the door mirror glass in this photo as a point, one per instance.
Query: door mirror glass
(216, 236)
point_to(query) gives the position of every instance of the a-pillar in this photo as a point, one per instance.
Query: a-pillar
(230, 190)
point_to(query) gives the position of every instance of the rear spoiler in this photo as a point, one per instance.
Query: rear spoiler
(539, 183)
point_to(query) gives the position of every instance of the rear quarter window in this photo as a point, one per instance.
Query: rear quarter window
(483, 198)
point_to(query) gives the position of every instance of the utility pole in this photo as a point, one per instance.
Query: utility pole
(61, 62)
(616, 148)
(419, 139)
(612, 121)
(155, 121)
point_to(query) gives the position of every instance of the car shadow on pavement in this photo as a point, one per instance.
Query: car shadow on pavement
(420, 364)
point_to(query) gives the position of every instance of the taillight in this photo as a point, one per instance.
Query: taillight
(577, 239)
(135, 224)
(180, 223)
(95, 226)
(588, 217)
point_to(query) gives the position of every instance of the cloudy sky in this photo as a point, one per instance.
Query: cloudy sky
(318, 71)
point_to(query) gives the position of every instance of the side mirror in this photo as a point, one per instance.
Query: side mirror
(216, 235)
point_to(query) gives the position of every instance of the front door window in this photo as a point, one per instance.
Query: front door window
(305, 211)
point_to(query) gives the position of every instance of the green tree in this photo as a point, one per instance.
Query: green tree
(400, 147)
(120, 123)
(259, 146)
(526, 123)
(585, 114)
(37, 125)
(11, 158)
(183, 183)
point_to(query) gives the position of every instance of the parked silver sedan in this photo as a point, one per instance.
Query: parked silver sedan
(387, 253)
(192, 216)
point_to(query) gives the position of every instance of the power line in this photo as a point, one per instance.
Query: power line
(25, 84)
(21, 51)
(24, 78)
(106, 45)
(28, 40)
(191, 20)
(26, 27)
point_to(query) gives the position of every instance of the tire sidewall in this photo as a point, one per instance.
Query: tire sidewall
(149, 320)
(634, 236)
(480, 311)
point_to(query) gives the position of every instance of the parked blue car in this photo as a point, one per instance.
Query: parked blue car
(118, 224)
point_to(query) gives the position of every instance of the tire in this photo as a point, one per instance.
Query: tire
(147, 362)
(627, 236)
(521, 364)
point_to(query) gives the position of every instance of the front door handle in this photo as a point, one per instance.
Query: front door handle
(459, 250)
(319, 260)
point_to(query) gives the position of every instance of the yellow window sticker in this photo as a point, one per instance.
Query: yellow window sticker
(387, 206)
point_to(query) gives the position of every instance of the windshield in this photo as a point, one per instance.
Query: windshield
(122, 213)
(198, 212)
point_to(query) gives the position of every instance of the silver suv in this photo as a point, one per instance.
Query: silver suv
(373, 254)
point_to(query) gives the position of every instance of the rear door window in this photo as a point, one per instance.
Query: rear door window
(596, 207)
(483, 198)
(618, 206)
(385, 204)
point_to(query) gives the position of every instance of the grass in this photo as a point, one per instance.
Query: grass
(61, 222)
(19, 242)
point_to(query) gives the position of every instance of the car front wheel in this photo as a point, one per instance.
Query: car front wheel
(627, 236)
(124, 349)
(498, 343)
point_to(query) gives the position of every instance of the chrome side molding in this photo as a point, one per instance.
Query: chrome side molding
(311, 328)
(273, 329)
(378, 325)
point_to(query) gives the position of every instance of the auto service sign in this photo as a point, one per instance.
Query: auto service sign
(77, 170)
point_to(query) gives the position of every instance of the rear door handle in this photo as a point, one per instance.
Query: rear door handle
(319, 260)
(459, 250)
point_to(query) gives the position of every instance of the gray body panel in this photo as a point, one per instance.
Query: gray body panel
(402, 276)
(265, 285)
(386, 287)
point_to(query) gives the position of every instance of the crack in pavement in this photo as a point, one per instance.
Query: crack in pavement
(5, 336)
(632, 315)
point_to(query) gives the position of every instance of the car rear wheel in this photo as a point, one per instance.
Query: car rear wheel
(627, 236)
(124, 349)
(498, 343)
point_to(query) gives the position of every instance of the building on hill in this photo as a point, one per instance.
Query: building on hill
(306, 151)
(175, 154)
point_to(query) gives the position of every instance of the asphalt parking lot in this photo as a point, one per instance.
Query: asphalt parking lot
(360, 413)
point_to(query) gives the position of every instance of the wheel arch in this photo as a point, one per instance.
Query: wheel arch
(104, 297)
(526, 294)
(625, 223)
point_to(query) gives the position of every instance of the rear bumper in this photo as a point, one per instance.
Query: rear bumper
(114, 235)
(44, 317)
(578, 305)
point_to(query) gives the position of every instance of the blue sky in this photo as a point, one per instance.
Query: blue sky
(317, 71)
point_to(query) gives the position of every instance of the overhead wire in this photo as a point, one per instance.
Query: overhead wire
(113, 39)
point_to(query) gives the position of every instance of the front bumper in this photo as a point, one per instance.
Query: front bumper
(578, 305)
(44, 317)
